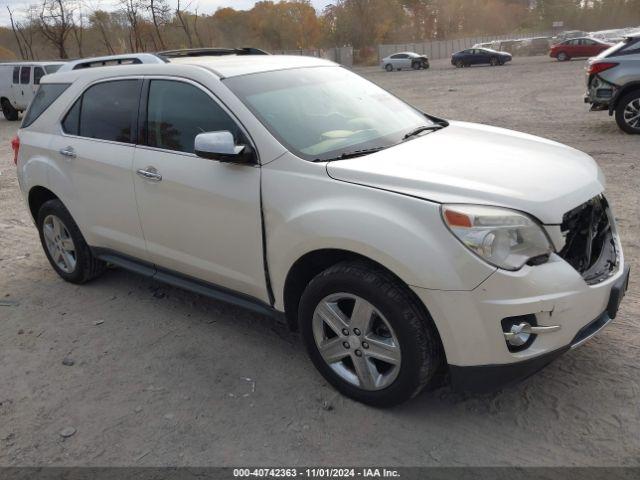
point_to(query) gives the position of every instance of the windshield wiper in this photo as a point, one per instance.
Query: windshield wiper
(353, 154)
(423, 128)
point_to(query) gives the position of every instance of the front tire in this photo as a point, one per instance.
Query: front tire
(367, 334)
(563, 57)
(628, 113)
(389, 67)
(494, 61)
(8, 111)
(64, 245)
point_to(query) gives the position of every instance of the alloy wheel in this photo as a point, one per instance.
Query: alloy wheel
(356, 341)
(632, 114)
(59, 244)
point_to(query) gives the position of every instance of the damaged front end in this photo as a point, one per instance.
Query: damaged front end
(590, 240)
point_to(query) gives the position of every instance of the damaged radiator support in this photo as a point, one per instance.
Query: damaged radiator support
(590, 245)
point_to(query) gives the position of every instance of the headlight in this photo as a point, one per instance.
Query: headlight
(504, 238)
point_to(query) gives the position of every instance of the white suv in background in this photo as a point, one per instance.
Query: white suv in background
(400, 245)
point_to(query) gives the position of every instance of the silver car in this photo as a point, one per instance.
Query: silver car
(613, 83)
(404, 61)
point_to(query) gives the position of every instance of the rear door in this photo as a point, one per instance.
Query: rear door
(21, 87)
(200, 217)
(96, 151)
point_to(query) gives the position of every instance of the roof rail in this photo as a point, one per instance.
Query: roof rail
(206, 52)
(112, 60)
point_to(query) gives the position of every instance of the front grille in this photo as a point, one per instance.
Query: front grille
(590, 245)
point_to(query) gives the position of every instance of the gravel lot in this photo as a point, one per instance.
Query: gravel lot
(165, 377)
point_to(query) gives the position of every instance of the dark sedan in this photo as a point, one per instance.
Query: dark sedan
(480, 56)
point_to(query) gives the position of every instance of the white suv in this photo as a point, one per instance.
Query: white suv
(400, 245)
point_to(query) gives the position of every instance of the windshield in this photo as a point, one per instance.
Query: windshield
(324, 112)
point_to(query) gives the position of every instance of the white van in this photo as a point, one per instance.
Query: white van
(19, 82)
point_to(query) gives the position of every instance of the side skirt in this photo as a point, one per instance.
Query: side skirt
(185, 282)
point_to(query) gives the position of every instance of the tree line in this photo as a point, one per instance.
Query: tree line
(70, 28)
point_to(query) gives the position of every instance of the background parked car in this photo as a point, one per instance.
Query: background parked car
(578, 47)
(404, 60)
(613, 83)
(479, 56)
(18, 84)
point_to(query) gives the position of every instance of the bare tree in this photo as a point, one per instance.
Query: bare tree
(15, 33)
(195, 28)
(131, 10)
(101, 20)
(180, 13)
(56, 21)
(160, 12)
(77, 27)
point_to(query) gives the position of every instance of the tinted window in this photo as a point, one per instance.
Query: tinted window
(47, 94)
(38, 73)
(71, 123)
(16, 74)
(25, 75)
(177, 112)
(52, 68)
(109, 111)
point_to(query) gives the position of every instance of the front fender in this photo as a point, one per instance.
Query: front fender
(307, 210)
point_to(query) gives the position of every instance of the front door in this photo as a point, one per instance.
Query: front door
(200, 217)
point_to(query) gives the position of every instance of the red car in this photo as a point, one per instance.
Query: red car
(578, 47)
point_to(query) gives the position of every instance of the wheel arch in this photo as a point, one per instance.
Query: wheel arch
(629, 87)
(37, 196)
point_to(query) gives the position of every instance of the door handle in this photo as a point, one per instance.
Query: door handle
(68, 152)
(150, 173)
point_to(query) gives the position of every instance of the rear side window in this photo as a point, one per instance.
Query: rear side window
(25, 75)
(52, 68)
(16, 75)
(38, 73)
(177, 112)
(47, 94)
(106, 111)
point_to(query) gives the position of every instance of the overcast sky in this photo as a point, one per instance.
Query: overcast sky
(204, 6)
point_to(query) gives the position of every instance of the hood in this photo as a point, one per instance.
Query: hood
(470, 163)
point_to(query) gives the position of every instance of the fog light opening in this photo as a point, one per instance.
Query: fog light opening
(517, 333)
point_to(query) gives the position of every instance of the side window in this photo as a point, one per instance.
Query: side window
(16, 75)
(178, 111)
(38, 73)
(25, 75)
(107, 111)
(71, 123)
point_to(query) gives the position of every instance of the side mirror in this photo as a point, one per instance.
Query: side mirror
(221, 146)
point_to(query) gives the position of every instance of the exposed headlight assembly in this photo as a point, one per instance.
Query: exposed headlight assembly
(502, 237)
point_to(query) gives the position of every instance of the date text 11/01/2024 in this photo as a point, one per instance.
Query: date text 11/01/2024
(316, 472)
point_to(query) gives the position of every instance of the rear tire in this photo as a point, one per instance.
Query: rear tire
(8, 111)
(393, 319)
(64, 245)
(628, 113)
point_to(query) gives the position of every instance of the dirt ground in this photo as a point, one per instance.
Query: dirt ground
(165, 377)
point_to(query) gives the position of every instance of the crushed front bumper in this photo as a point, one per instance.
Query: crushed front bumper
(488, 378)
(469, 322)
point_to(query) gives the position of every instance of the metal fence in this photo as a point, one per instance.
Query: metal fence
(438, 49)
(341, 55)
